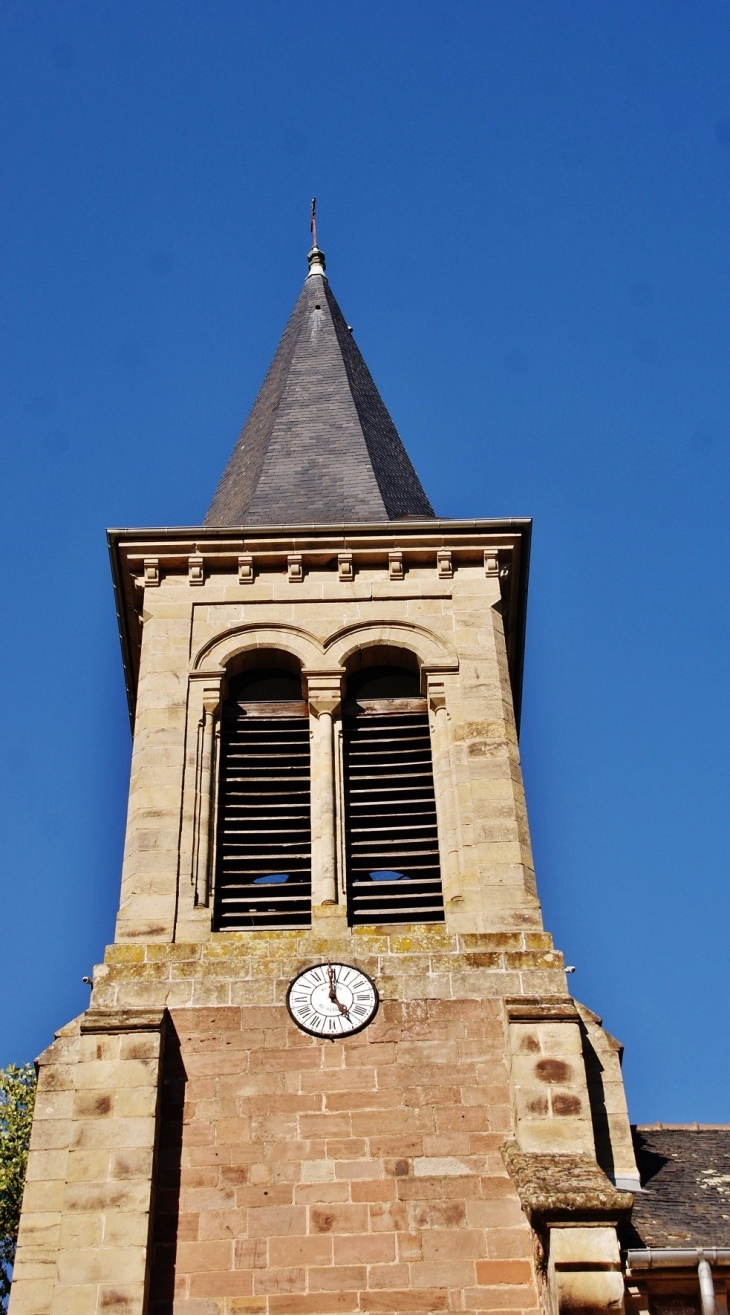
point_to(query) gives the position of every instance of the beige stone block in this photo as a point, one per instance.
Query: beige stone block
(76, 1300)
(43, 1196)
(113, 1133)
(595, 1246)
(126, 1230)
(87, 1166)
(81, 1230)
(30, 1296)
(98, 1265)
(46, 1165)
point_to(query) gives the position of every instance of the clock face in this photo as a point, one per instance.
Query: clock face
(332, 1000)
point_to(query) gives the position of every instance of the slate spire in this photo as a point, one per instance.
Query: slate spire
(319, 444)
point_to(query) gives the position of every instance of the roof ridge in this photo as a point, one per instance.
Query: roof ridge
(681, 1127)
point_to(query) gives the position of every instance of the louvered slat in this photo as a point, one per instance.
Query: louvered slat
(391, 814)
(264, 819)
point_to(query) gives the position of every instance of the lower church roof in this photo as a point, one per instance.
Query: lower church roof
(685, 1179)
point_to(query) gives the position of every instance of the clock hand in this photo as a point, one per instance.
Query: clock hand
(333, 991)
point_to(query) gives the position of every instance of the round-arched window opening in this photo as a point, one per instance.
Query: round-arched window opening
(266, 685)
(383, 682)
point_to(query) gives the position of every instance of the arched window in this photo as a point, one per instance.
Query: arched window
(263, 845)
(391, 838)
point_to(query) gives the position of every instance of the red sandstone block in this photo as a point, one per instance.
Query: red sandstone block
(425, 1189)
(272, 1127)
(389, 1276)
(250, 1253)
(198, 1134)
(437, 1214)
(358, 1169)
(315, 1303)
(280, 1280)
(494, 1185)
(324, 1125)
(284, 1103)
(388, 1217)
(279, 1061)
(200, 1176)
(461, 1189)
(291, 1251)
(460, 1118)
(187, 1229)
(495, 1213)
(374, 1189)
(277, 1221)
(208, 1198)
(359, 1054)
(451, 1143)
(221, 1284)
(509, 1243)
(417, 1302)
(491, 1272)
(429, 1052)
(217, 1225)
(408, 1246)
(453, 1244)
(337, 1278)
(432, 1096)
(255, 1194)
(233, 1175)
(502, 1298)
(399, 1145)
(202, 1157)
(350, 1148)
(321, 1193)
(365, 1123)
(351, 1079)
(192, 1257)
(361, 1100)
(364, 1249)
(338, 1219)
(443, 1274)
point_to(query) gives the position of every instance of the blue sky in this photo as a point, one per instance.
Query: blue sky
(525, 210)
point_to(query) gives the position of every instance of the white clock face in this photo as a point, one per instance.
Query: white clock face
(332, 1000)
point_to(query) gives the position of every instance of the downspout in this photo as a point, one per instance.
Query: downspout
(703, 1257)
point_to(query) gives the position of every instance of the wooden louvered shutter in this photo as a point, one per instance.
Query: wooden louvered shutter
(391, 836)
(263, 846)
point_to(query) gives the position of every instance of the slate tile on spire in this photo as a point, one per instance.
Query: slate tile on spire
(319, 444)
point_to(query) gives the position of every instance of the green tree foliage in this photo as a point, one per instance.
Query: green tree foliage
(17, 1098)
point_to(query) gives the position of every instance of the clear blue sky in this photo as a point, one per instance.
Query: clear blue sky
(526, 211)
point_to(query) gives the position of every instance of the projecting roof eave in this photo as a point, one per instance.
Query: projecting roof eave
(174, 542)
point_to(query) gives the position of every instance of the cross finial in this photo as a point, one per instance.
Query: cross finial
(316, 257)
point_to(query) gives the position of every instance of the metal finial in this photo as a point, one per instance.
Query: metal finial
(316, 257)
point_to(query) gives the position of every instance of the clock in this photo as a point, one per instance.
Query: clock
(332, 1000)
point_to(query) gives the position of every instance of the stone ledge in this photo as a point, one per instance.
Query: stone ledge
(541, 1009)
(564, 1188)
(111, 1021)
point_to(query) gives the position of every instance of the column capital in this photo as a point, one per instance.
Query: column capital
(325, 689)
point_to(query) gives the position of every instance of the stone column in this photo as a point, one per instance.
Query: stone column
(324, 691)
(444, 788)
(211, 704)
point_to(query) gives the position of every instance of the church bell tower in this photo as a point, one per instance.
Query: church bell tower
(330, 1063)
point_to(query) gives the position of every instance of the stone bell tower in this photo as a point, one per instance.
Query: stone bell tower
(325, 789)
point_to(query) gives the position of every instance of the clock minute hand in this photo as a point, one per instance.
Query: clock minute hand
(333, 992)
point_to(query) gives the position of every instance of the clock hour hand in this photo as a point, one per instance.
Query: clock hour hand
(333, 991)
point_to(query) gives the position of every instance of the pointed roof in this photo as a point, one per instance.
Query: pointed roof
(319, 444)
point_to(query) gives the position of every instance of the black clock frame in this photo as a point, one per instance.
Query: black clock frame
(343, 1036)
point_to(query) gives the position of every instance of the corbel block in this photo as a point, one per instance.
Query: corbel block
(151, 572)
(245, 568)
(491, 561)
(295, 567)
(196, 568)
(444, 564)
(345, 567)
(395, 565)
